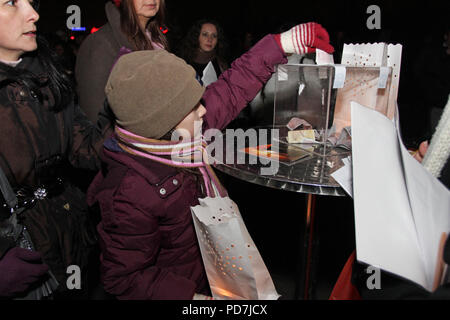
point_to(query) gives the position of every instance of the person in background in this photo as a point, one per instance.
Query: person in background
(66, 57)
(431, 83)
(205, 42)
(42, 134)
(445, 174)
(133, 24)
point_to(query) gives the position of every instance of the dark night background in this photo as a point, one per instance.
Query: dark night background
(417, 25)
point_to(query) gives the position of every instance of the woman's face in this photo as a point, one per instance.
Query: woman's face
(191, 126)
(208, 37)
(17, 28)
(146, 9)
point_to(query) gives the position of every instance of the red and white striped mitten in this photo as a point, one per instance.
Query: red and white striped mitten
(305, 38)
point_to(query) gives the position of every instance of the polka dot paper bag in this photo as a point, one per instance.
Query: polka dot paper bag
(372, 79)
(233, 264)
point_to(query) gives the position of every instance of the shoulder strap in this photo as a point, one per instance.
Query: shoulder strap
(8, 193)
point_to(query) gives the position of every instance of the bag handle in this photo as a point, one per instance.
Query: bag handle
(8, 193)
(215, 191)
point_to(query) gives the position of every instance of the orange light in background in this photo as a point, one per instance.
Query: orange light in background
(94, 29)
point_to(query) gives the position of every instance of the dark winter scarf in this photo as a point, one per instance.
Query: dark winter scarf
(202, 57)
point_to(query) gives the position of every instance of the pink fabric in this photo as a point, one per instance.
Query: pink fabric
(156, 46)
(185, 149)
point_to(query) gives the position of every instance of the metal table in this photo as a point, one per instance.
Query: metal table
(310, 176)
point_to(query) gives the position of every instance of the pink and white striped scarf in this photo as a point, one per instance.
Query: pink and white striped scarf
(181, 154)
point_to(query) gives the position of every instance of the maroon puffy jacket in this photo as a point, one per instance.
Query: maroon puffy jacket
(147, 237)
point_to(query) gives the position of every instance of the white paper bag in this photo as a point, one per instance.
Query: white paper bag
(233, 264)
(371, 88)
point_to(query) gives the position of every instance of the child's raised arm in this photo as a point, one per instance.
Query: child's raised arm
(236, 87)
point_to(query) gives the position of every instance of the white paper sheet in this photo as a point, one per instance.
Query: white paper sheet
(344, 176)
(430, 204)
(209, 74)
(323, 58)
(400, 209)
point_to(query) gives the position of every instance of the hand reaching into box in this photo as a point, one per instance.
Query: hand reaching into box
(305, 38)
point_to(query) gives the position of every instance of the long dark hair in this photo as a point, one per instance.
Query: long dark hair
(55, 78)
(130, 26)
(190, 43)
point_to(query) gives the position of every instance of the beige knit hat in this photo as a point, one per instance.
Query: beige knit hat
(151, 91)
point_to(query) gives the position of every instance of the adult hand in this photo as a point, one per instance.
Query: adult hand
(420, 154)
(305, 38)
(19, 269)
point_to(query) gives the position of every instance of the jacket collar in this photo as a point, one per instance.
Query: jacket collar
(113, 16)
(29, 62)
(155, 173)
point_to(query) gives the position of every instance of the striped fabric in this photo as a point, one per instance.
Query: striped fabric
(438, 152)
(299, 39)
(305, 38)
(190, 154)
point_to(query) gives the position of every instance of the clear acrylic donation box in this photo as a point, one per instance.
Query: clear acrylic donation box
(312, 102)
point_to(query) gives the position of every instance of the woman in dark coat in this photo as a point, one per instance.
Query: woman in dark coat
(42, 133)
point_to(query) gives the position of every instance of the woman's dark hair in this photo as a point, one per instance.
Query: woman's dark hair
(54, 76)
(130, 26)
(190, 43)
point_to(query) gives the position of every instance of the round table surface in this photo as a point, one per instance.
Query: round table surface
(311, 174)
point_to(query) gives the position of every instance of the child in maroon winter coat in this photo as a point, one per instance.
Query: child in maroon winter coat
(147, 237)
